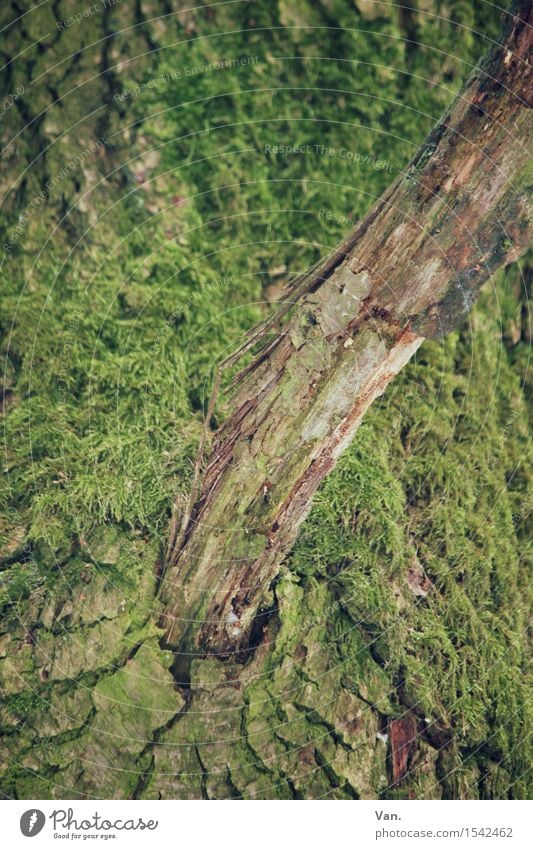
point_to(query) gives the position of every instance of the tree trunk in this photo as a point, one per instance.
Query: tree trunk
(410, 270)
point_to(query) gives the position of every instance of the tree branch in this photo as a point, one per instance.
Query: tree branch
(410, 270)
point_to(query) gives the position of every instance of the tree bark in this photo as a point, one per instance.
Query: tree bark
(410, 270)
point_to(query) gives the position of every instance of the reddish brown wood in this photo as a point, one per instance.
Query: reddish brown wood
(403, 740)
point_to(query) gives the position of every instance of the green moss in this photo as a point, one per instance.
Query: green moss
(406, 586)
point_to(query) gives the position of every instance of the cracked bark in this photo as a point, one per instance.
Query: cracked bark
(410, 270)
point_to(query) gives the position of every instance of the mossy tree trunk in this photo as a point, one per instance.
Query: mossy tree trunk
(410, 270)
(394, 666)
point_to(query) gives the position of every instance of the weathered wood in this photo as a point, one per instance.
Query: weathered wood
(409, 271)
